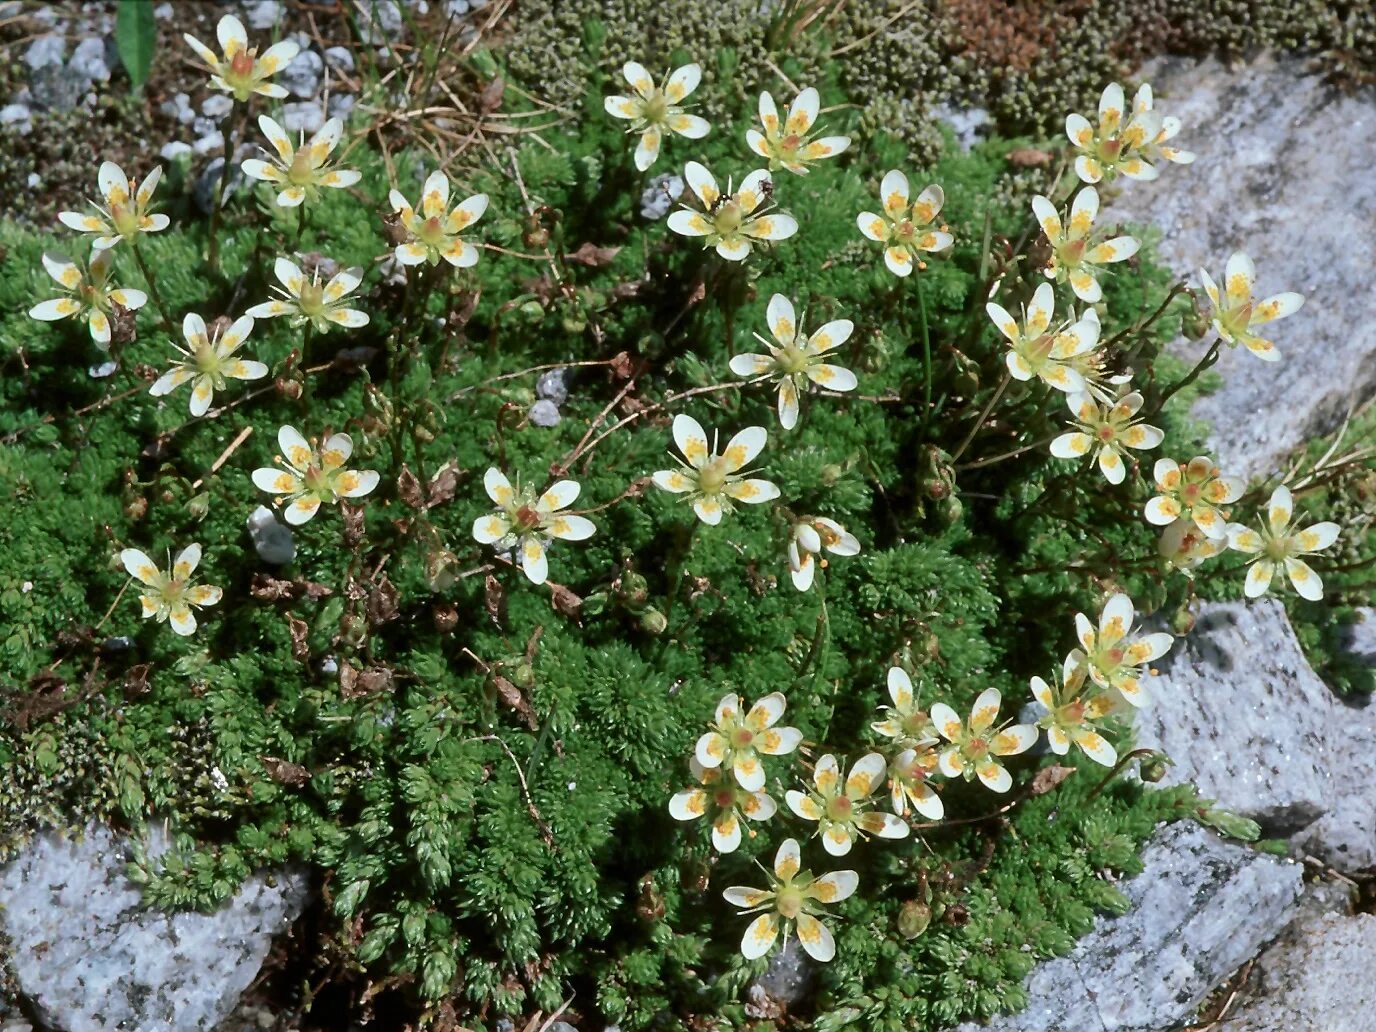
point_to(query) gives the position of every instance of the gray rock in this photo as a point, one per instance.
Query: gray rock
(659, 195)
(91, 60)
(163, 11)
(208, 184)
(262, 14)
(179, 107)
(544, 413)
(1359, 638)
(786, 981)
(1200, 908)
(216, 106)
(105, 369)
(46, 52)
(174, 150)
(17, 116)
(1277, 148)
(302, 77)
(88, 957)
(209, 143)
(302, 115)
(553, 385)
(455, 8)
(966, 122)
(340, 105)
(341, 59)
(272, 540)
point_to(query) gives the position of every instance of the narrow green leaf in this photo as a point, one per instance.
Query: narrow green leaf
(136, 37)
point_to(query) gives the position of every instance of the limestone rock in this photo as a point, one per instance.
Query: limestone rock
(1360, 638)
(1280, 152)
(1200, 908)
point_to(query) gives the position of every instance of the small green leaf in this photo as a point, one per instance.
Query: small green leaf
(136, 37)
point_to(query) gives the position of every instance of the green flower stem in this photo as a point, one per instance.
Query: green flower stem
(152, 282)
(994, 400)
(234, 124)
(683, 545)
(307, 334)
(1210, 358)
(926, 352)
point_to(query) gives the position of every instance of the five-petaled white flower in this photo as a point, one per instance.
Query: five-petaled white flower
(797, 359)
(1278, 545)
(903, 230)
(789, 146)
(807, 538)
(725, 803)
(298, 171)
(712, 481)
(171, 596)
(1116, 653)
(1108, 426)
(526, 524)
(309, 477)
(907, 724)
(89, 294)
(1075, 253)
(1184, 546)
(1158, 148)
(793, 897)
(238, 69)
(1072, 714)
(1117, 146)
(1037, 350)
(1235, 313)
(435, 230)
(842, 812)
(976, 744)
(734, 221)
(736, 741)
(655, 110)
(123, 215)
(323, 305)
(1193, 491)
(910, 776)
(208, 362)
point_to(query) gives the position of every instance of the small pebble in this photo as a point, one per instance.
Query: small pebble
(103, 370)
(553, 385)
(34, 180)
(341, 104)
(659, 195)
(209, 143)
(302, 77)
(544, 413)
(174, 150)
(216, 106)
(340, 58)
(45, 51)
(262, 14)
(302, 115)
(272, 540)
(89, 60)
(163, 11)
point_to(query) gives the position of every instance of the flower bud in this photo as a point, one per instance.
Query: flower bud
(1196, 325)
(1153, 768)
(445, 615)
(634, 590)
(652, 621)
(532, 310)
(353, 629)
(913, 919)
(199, 506)
(136, 508)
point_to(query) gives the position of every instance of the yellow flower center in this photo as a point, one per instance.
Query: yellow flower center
(792, 359)
(712, 477)
(840, 808)
(312, 300)
(655, 109)
(789, 902)
(431, 231)
(728, 218)
(742, 737)
(301, 172)
(125, 217)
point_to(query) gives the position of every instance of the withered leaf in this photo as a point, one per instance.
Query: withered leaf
(408, 488)
(565, 601)
(592, 255)
(136, 680)
(443, 484)
(621, 365)
(1048, 778)
(284, 772)
(373, 680)
(490, 99)
(383, 602)
(494, 600)
(511, 695)
(1029, 157)
(270, 589)
(353, 525)
(299, 631)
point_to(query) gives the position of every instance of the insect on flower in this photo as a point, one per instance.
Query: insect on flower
(796, 361)
(170, 595)
(312, 477)
(300, 171)
(1072, 713)
(712, 481)
(656, 110)
(208, 362)
(1236, 314)
(122, 213)
(303, 300)
(807, 539)
(906, 723)
(724, 802)
(1115, 654)
(1278, 545)
(1193, 491)
(1108, 426)
(794, 897)
(238, 69)
(737, 741)
(526, 524)
(790, 146)
(1076, 255)
(1037, 350)
(903, 230)
(435, 231)
(842, 812)
(89, 295)
(976, 744)
(1116, 146)
(734, 221)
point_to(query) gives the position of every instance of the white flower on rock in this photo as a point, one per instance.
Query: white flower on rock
(724, 802)
(903, 229)
(794, 897)
(789, 144)
(170, 596)
(655, 110)
(735, 221)
(308, 477)
(1076, 253)
(122, 212)
(796, 361)
(323, 305)
(298, 172)
(526, 524)
(976, 744)
(1116, 655)
(1158, 148)
(736, 741)
(1237, 315)
(1109, 427)
(89, 294)
(807, 539)
(207, 363)
(1036, 350)
(713, 481)
(436, 231)
(843, 811)
(1278, 545)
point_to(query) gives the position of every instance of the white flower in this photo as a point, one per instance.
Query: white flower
(712, 481)
(1236, 314)
(902, 229)
(1075, 253)
(653, 111)
(1184, 546)
(1115, 146)
(910, 776)
(842, 812)
(793, 897)
(304, 300)
(807, 538)
(123, 215)
(312, 477)
(1037, 350)
(975, 745)
(1157, 148)
(435, 230)
(1072, 713)
(797, 359)
(734, 221)
(789, 146)
(207, 362)
(1193, 491)
(527, 524)
(735, 741)
(1109, 427)
(299, 172)
(240, 70)
(726, 803)
(1116, 654)
(906, 723)
(171, 596)
(89, 294)
(1278, 545)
